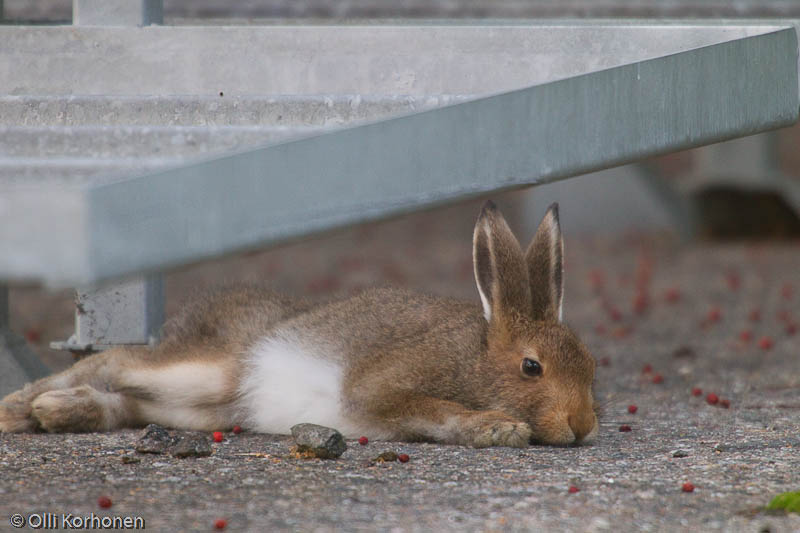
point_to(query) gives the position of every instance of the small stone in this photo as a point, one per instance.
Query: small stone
(129, 458)
(154, 439)
(191, 446)
(386, 457)
(684, 352)
(680, 453)
(318, 441)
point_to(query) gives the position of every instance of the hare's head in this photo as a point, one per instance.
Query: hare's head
(536, 368)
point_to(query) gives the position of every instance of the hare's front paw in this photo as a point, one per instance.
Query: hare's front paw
(498, 429)
(16, 418)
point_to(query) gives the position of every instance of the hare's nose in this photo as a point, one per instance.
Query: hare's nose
(582, 424)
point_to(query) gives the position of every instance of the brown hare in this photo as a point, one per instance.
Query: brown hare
(386, 363)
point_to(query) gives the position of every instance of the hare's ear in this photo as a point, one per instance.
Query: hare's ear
(545, 260)
(500, 270)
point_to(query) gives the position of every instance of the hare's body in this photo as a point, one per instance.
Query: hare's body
(386, 363)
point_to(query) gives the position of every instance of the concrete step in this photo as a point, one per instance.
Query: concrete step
(139, 141)
(197, 110)
(74, 171)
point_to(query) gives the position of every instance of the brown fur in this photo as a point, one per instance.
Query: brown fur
(414, 366)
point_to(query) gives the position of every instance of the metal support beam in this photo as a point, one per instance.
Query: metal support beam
(117, 12)
(127, 312)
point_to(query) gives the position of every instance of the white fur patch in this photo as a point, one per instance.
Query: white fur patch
(182, 384)
(179, 389)
(288, 382)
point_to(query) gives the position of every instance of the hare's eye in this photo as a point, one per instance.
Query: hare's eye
(531, 367)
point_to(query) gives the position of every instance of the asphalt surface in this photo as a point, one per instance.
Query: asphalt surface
(635, 300)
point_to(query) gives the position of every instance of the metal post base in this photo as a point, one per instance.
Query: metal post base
(126, 312)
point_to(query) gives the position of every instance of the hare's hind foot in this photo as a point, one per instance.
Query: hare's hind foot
(80, 409)
(15, 417)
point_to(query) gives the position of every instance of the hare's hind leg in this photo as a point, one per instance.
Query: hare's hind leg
(83, 408)
(56, 403)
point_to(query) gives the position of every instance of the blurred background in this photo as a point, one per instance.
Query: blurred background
(739, 193)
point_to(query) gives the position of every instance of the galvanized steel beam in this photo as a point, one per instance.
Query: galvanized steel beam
(275, 193)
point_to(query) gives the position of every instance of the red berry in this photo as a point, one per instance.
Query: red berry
(237, 429)
(363, 441)
(640, 303)
(624, 428)
(733, 280)
(104, 502)
(672, 295)
(697, 391)
(724, 402)
(712, 398)
(755, 315)
(220, 523)
(787, 291)
(218, 436)
(745, 335)
(573, 489)
(632, 409)
(658, 378)
(403, 458)
(714, 314)
(597, 279)
(687, 487)
(791, 329)
(765, 343)
(646, 369)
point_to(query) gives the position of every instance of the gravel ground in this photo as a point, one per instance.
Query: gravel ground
(635, 300)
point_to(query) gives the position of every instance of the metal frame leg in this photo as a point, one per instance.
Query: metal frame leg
(125, 312)
(117, 12)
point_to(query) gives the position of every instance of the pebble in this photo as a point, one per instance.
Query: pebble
(191, 446)
(319, 441)
(155, 439)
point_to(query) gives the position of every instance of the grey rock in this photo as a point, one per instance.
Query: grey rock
(191, 446)
(155, 439)
(386, 457)
(322, 442)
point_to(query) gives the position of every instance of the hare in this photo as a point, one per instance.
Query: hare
(386, 363)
